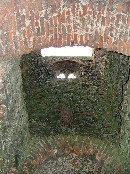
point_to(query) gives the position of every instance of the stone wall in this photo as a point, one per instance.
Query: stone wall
(28, 25)
(92, 101)
(116, 76)
(125, 129)
(13, 117)
(14, 127)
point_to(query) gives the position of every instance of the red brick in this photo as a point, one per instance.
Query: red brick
(101, 42)
(120, 43)
(13, 25)
(43, 40)
(125, 46)
(129, 7)
(12, 5)
(69, 29)
(51, 41)
(63, 16)
(59, 28)
(36, 15)
(38, 31)
(99, 6)
(81, 39)
(90, 12)
(68, 19)
(75, 38)
(53, 5)
(23, 21)
(86, 36)
(10, 37)
(99, 16)
(118, 19)
(27, 13)
(55, 20)
(128, 23)
(24, 33)
(55, 33)
(128, 51)
(119, 8)
(60, 40)
(107, 22)
(38, 27)
(64, 40)
(107, 30)
(90, 6)
(103, 21)
(58, 2)
(110, 41)
(103, 11)
(59, 18)
(68, 12)
(26, 45)
(68, 39)
(80, 14)
(28, 32)
(85, 10)
(46, 29)
(21, 45)
(120, 46)
(34, 42)
(73, 8)
(37, 23)
(86, 42)
(50, 26)
(32, 18)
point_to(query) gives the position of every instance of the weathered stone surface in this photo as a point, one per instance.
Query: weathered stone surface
(18, 154)
(13, 117)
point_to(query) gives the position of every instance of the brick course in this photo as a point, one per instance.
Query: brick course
(28, 25)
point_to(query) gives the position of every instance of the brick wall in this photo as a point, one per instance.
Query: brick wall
(33, 24)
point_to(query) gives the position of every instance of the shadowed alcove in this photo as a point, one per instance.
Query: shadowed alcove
(69, 97)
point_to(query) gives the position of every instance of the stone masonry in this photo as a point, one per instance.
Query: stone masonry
(32, 24)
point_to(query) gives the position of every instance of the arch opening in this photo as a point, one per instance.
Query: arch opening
(88, 106)
(85, 101)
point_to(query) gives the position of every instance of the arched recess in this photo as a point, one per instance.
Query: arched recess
(12, 96)
(118, 73)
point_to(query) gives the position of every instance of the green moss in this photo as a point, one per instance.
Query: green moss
(95, 106)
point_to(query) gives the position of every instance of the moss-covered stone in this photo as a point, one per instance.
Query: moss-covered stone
(83, 106)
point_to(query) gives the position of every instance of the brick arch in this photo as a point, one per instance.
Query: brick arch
(34, 24)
